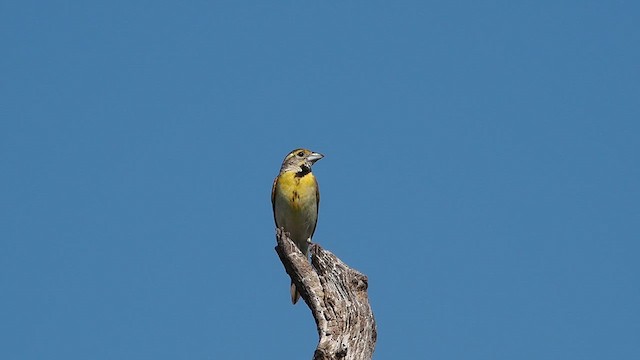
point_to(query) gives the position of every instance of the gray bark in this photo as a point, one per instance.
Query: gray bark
(337, 297)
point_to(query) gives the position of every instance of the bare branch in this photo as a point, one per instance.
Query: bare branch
(337, 297)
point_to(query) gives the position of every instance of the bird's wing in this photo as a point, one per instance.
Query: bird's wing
(273, 199)
(317, 205)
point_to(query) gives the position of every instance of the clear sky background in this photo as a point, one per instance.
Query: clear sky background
(481, 167)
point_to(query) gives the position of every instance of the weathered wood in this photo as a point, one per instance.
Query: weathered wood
(337, 297)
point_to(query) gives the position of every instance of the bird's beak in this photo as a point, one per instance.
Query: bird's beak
(313, 157)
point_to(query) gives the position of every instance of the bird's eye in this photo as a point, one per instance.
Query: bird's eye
(300, 153)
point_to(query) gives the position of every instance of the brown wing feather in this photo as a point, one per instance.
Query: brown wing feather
(317, 206)
(273, 199)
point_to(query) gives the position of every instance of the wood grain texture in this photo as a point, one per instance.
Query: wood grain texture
(338, 299)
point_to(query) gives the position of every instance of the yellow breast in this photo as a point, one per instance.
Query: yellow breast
(298, 191)
(296, 206)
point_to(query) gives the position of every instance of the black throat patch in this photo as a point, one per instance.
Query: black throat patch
(304, 170)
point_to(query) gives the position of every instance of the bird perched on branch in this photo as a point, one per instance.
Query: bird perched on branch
(295, 199)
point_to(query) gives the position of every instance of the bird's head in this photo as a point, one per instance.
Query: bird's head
(300, 160)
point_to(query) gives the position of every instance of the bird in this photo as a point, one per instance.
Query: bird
(295, 198)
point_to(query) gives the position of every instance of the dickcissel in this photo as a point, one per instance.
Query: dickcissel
(295, 199)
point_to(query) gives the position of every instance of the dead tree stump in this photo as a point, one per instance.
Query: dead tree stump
(337, 297)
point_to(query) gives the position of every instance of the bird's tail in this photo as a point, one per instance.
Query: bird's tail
(295, 295)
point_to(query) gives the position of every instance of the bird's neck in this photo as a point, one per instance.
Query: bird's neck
(304, 170)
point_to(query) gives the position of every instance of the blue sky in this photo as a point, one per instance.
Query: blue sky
(481, 167)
